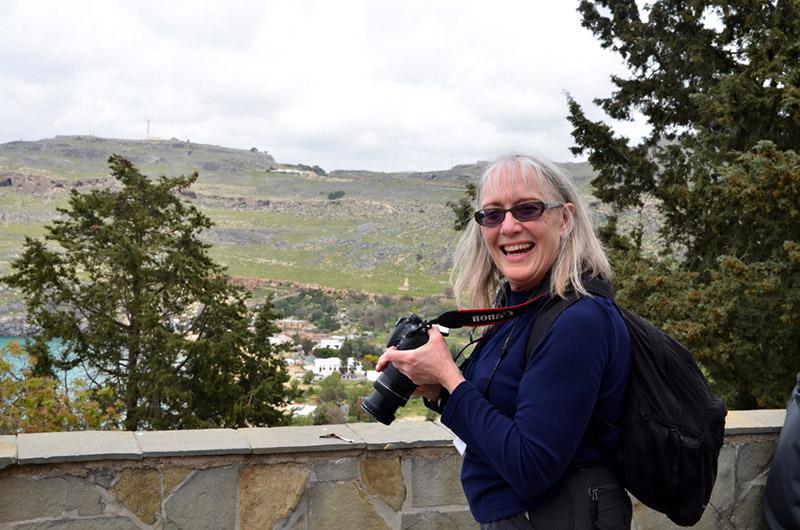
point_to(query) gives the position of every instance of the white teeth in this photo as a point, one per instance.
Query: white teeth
(510, 249)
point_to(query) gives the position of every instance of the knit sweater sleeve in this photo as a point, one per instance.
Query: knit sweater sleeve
(555, 400)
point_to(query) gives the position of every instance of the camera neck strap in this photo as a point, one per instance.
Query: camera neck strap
(473, 318)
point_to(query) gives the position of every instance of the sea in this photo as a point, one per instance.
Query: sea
(18, 364)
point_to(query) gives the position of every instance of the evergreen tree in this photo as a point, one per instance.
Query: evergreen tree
(124, 284)
(462, 208)
(719, 85)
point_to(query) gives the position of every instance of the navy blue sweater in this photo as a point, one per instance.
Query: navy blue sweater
(526, 430)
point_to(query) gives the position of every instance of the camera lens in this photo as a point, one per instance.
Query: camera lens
(392, 388)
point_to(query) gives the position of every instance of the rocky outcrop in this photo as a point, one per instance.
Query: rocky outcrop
(39, 185)
(15, 326)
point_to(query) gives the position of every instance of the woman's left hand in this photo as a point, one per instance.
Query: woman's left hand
(430, 364)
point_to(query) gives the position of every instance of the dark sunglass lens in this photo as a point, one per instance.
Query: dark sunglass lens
(528, 211)
(489, 217)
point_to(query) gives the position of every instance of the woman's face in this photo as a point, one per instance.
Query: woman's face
(523, 251)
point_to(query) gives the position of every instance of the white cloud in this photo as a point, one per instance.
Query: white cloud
(351, 84)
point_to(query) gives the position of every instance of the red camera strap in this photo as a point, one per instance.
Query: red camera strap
(473, 318)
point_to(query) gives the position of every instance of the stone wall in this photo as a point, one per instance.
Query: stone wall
(328, 477)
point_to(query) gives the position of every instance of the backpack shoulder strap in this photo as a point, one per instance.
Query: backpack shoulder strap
(557, 305)
(552, 309)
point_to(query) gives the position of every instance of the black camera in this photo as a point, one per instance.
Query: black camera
(392, 388)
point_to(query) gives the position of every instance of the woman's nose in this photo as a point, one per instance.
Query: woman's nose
(510, 225)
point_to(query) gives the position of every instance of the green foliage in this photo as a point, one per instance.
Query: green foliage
(369, 361)
(326, 353)
(331, 389)
(308, 376)
(415, 408)
(328, 414)
(357, 348)
(304, 342)
(302, 421)
(463, 207)
(355, 392)
(719, 84)
(312, 305)
(315, 168)
(742, 324)
(123, 281)
(332, 196)
(708, 95)
(30, 403)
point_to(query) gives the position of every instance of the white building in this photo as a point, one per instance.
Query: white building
(354, 366)
(333, 343)
(326, 367)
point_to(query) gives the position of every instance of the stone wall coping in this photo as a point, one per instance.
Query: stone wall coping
(754, 421)
(78, 446)
(194, 442)
(81, 446)
(403, 435)
(302, 439)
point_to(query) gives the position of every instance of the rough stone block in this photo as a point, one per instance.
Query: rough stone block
(192, 442)
(269, 493)
(104, 477)
(302, 439)
(206, 501)
(337, 470)
(171, 477)
(753, 460)
(38, 448)
(724, 493)
(436, 481)
(139, 490)
(438, 521)
(8, 450)
(403, 434)
(337, 505)
(747, 513)
(23, 498)
(383, 477)
(103, 523)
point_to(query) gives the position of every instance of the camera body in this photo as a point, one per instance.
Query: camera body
(392, 388)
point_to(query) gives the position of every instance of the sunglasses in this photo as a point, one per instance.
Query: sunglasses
(526, 211)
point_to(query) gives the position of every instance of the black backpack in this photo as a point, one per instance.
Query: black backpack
(672, 426)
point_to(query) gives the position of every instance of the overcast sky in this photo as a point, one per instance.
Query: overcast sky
(382, 85)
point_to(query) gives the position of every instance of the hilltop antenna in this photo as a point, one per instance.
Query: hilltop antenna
(148, 130)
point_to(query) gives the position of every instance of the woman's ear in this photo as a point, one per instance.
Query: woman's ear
(567, 214)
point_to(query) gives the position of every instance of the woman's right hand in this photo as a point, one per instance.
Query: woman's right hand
(430, 364)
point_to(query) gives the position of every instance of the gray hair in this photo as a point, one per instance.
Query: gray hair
(475, 274)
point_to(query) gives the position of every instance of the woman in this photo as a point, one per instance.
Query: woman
(523, 418)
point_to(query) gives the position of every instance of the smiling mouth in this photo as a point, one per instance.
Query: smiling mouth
(516, 249)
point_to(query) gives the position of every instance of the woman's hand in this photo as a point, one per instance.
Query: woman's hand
(430, 364)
